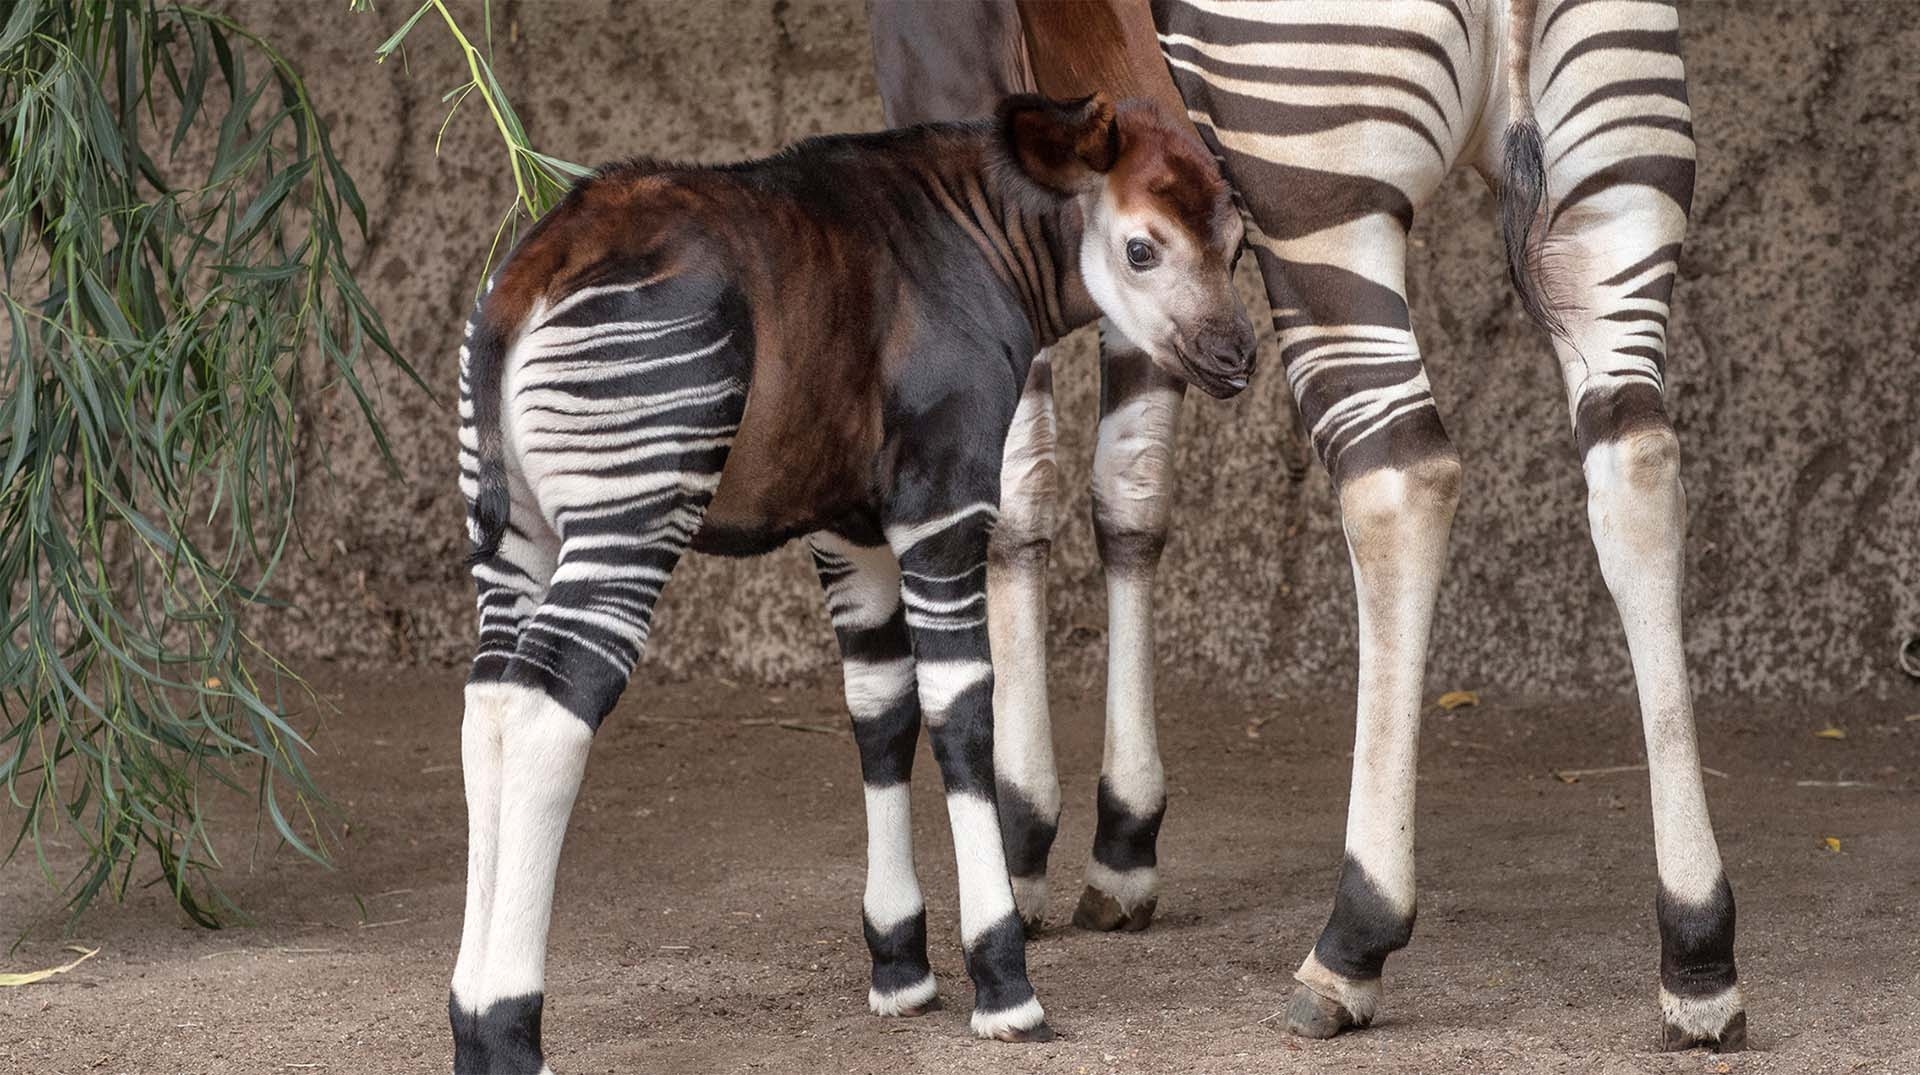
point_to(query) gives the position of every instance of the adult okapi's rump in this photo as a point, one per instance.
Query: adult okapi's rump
(830, 343)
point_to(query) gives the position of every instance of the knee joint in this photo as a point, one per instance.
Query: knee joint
(1384, 500)
(1650, 457)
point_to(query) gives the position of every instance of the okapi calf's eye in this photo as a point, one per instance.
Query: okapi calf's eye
(1141, 255)
(826, 344)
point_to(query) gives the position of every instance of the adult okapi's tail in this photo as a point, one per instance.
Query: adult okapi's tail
(1523, 186)
(482, 444)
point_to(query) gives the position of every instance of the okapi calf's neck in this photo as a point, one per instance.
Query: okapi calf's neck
(831, 343)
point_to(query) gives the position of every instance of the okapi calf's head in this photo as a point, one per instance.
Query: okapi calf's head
(1159, 229)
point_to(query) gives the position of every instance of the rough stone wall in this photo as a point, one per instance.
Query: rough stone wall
(1792, 378)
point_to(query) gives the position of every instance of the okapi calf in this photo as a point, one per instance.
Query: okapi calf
(828, 343)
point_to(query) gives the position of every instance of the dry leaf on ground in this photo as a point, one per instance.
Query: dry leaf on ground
(1832, 842)
(31, 977)
(1453, 700)
(1830, 732)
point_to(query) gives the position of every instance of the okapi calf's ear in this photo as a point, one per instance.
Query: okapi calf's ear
(1061, 145)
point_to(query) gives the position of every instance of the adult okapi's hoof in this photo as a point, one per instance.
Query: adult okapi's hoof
(1311, 1015)
(1718, 1023)
(1026, 1023)
(1099, 911)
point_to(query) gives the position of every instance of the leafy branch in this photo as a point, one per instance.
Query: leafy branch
(172, 218)
(539, 180)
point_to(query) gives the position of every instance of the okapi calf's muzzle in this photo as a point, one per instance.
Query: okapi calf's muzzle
(829, 343)
(1219, 360)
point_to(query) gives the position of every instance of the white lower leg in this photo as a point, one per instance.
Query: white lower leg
(1637, 508)
(1397, 522)
(1132, 778)
(544, 752)
(480, 765)
(1023, 762)
(1004, 1004)
(1133, 483)
(893, 905)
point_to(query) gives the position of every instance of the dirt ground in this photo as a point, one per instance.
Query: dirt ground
(708, 914)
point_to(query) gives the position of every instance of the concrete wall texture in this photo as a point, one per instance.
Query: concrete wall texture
(1792, 377)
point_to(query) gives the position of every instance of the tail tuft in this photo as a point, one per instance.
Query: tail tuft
(1523, 191)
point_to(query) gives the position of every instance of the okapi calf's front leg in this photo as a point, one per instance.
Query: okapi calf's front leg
(863, 599)
(943, 565)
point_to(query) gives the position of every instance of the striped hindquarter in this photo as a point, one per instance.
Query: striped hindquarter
(1336, 120)
(620, 401)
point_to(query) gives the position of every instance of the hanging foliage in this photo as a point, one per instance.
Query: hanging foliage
(174, 223)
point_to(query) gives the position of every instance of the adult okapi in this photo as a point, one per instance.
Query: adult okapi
(1335, 120)
(829, 343)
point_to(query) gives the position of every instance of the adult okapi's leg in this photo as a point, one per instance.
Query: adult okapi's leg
(863, 598)
(1132, 506)
(1349, 352)
(939, 525)
(1619, 153)
(1029, 785)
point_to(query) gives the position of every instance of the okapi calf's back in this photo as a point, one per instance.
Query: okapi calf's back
(828, 343)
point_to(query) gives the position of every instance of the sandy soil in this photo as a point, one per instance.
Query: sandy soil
(709, 901)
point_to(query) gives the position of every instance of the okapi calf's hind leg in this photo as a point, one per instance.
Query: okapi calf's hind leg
(1023, 765)
(941, 542)
(1132, 509)
(620, 460)
(863, 599)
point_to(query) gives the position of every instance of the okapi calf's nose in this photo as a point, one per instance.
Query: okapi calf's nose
(1220, 358)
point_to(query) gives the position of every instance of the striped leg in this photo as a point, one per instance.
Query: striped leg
(1132, 505)
(1620, 179)
(1350, 356)
(943, 563)
(1637, 510)
(1029, 785)
(863, 598)
(511, 584)
(533, 730)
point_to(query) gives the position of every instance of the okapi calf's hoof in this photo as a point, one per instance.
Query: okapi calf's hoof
(1101, 912)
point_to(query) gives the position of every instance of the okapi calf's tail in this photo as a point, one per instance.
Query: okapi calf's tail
(503, 310)
(1523, 181)
(483, 456)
